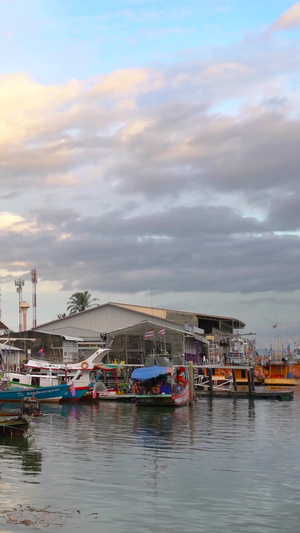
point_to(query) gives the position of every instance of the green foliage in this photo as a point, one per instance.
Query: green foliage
(80, 301)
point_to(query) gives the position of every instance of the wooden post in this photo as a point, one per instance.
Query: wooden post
(211, 389)
(234, 380)
(250, 383)
(252, 380)
(191, 382)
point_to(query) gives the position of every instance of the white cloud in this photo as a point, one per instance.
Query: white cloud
(290, 19)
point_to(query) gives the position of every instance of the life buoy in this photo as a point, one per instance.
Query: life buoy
(258, 374)
(84, 365)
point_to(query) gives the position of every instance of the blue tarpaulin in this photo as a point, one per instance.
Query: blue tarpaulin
(149, 372)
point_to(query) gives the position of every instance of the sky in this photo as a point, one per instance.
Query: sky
(149, 153)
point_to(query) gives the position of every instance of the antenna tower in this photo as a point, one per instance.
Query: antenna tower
(19, 283)
(34, 282)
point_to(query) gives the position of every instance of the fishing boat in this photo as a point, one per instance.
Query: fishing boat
(13, 423)
(114, 384)
(160, 386)
(223, 375)
(280, 372)
(86, 366)
(43, 394)
(81, 376)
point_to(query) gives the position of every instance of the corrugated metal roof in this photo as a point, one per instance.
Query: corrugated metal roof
(145, 310)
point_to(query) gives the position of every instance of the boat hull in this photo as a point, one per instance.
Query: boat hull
(13, 424)
(79, 393)
(291, 382)
(168, 400)
(43, 394)
(115, 397)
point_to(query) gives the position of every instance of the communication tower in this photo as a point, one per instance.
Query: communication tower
(34, 282)
(19, 283)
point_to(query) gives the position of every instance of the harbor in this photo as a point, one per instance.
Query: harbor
(111, 467)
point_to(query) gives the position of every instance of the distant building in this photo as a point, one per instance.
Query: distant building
(4, 330)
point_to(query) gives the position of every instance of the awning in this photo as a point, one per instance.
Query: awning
(149, 372)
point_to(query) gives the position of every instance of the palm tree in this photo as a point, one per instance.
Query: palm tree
(80, 301)
(61, 315)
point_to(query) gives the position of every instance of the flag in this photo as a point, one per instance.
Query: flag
(42, 352)
(149, 334)
(73, 390)
(162, 331)
(275, 326)
(109, 343)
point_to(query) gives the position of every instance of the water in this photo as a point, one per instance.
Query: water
(224, 465)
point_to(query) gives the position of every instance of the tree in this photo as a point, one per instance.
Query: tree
(61, 315)
(80, 301)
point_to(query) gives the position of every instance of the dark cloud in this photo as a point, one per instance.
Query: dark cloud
(183, 177)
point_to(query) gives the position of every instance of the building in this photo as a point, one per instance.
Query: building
(4, 330)
(11, 357)
(186, 333)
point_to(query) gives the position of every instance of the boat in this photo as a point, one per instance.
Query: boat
(160, 386)
(13, 423)
(45, 374)
(280, 372)
(43, 394)
(87, 365)
(114, 385)
(222, 375)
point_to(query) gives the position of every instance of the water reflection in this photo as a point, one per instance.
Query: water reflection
(20, 448)
(208, 467)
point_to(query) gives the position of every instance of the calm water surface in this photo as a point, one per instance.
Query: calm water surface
(223, 465)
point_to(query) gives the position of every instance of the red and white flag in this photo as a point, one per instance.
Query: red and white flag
(162, 331)
(149, 334)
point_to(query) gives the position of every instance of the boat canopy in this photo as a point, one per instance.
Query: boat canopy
(150, 372)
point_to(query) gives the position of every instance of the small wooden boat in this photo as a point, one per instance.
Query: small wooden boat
(113, 385)
(13, 423)
(160, 386)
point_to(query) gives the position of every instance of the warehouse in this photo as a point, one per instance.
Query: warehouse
(125, 326)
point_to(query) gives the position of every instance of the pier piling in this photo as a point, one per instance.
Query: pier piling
(191, 381)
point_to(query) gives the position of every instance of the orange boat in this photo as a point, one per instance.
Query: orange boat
(281, 372)
(221, 375)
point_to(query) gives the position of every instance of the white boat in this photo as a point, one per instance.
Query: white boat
(44, 373)
(88, 364)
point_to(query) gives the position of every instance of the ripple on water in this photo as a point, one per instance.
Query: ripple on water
(222, 465)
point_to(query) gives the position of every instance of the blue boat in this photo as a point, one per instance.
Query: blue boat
(43, 394)
(76, 393)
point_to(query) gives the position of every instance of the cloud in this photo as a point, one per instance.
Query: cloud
(182, 176)
(10, 222)
(290, 19)
(229, 70)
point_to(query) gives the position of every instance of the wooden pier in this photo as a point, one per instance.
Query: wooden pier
(206, 384)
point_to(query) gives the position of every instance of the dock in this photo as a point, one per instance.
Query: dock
(257, 394)
(206, 384)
